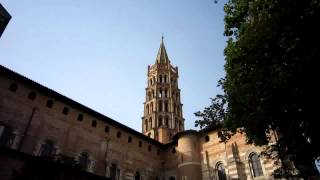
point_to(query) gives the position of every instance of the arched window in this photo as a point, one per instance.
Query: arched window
(176, 123)
(167, 121)
(165, 78)
(147, 109)
(255, 165)
(114, 172)
(160, 106)
(6, 136)
(137, 176)
(166, 93)
(221, 173)
(47, 149)
(160, 93)
(150, 123)
(151, 107)
(166, 107)
(160, 79)
(160, 121)
(84, 161)
(146, 124)
(149, 95)
(180, 126)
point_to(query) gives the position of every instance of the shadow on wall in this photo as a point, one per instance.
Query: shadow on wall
(241, 168)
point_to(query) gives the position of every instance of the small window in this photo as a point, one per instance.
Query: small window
(49, 103)
(106, 129)
(149, 148)
(65, 110)
(32, 96)
(129, 139)
(94, 123)
(80, 117)
(118, 134)
(13, 87)
(173, 150)
(140, 144)
(207, 138)
(158, 151)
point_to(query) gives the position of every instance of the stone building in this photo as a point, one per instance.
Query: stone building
(40, 122)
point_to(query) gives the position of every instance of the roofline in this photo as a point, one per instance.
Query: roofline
(18, 77)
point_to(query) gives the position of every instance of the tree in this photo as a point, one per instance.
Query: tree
(271, 76)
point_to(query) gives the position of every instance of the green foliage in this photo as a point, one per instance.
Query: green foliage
(271, 76)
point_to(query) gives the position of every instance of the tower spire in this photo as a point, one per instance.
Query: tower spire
(162, 56)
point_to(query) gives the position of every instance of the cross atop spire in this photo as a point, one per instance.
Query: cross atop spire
(162, 57)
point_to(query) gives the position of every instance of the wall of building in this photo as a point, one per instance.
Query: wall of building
(72, 136)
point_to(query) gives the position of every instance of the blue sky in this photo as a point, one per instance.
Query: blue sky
(96, 52)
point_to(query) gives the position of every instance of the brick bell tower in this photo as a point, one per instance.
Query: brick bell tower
(162, 108)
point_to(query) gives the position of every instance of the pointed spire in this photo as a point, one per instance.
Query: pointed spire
(162, 56)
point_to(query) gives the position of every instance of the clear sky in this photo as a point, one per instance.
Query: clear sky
(96, 52)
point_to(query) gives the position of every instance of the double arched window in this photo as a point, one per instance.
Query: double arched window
(255, 165)
(221, 172)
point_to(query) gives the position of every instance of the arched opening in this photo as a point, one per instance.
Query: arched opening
(150, 123)
(137, 176)
(160, 106)
(147, 109)
(160, 121)
(84, 161)
(166, 107)
(167, 121)
(221, 173)
(114, 174)
(47, 149)
(160, 78)
(172, 178)
(176, 123)
(146, 125)
(151, 108)
(255, 165)
(6, 136)
(149, 95)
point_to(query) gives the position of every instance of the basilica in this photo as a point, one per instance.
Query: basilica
(40, 125)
